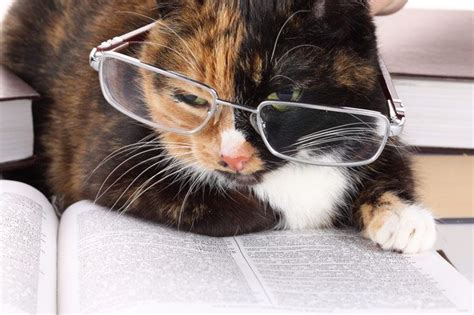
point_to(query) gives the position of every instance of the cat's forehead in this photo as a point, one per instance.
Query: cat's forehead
(235, 45)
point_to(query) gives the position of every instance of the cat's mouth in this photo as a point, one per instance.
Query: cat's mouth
(242, 179)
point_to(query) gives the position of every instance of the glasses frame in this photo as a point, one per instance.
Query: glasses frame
(110, 49)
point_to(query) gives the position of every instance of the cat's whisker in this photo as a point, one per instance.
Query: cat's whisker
(158, 21)
(340, 136)
(98, 197)
(175, 147)
(131, 150)
(285, 77)
(141, 190)
(132, 168)
(173, 50)
(354, 132)
(187, 177)
(180, 38)
(320, 144)
(337, 139)
(324, 134)
(118, 198)
(119, 165)
(338, 128)
(144, 172)
(118, 151)
(171, 142)
(336, 131)
(197, 183)
(175, 164)
(137, 14)
(295, 48)
(330, 139)
(281, 31)
(125, 153)
(183, 204)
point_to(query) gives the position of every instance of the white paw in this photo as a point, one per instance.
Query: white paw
(408, 230)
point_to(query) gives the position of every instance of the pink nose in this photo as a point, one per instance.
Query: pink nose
(235, 163)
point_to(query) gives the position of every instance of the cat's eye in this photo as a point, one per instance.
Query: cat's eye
(291, 94)
(191, 99)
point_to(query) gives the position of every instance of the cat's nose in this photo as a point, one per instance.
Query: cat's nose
(235, 163)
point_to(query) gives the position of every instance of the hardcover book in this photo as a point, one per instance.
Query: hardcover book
(16, 121)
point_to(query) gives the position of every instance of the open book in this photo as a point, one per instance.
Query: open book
(94, 260)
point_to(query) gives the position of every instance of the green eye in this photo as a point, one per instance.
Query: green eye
(285, 95)
(280, 108)
(191, 99)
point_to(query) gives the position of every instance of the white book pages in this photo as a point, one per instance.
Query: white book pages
(114, 263)
(28, 238)
(440, 113)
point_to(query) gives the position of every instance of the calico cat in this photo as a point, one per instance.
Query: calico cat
(222, 180)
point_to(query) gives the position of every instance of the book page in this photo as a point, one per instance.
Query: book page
(430, 123)
(338, 270)
(110, 262)
(28, 235)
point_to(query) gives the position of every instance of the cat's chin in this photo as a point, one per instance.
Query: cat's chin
(240, 179)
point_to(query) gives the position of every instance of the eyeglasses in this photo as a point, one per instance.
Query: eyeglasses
(298, 132)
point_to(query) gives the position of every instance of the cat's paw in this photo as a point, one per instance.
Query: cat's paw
(409, 230)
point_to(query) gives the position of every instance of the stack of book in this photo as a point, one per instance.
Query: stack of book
(16, 122)
(430, 55)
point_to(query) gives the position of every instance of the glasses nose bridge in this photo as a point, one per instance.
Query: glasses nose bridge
(236, 106)
(253, 112)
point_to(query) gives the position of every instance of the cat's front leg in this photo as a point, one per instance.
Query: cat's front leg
(397, 224)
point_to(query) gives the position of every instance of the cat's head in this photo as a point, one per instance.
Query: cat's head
(317, 52)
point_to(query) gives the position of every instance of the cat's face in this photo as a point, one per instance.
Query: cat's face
(317, 52)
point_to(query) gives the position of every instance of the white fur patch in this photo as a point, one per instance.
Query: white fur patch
(409, 230)
(231, 140)
(306, 195)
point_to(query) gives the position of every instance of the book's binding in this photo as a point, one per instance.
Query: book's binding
(18, 164)
(465, 220)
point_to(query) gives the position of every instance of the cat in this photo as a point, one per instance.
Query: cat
(246, 50)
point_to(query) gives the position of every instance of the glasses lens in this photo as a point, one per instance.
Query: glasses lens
(162, 100)
(323, 136)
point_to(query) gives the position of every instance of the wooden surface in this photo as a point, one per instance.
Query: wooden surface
(446, 184)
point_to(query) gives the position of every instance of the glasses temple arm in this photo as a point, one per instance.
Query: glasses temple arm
(389, 89)
(118, 43)
(395, 104)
